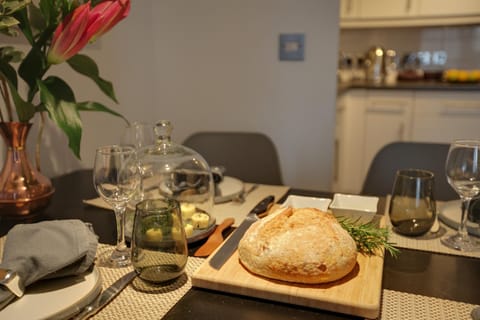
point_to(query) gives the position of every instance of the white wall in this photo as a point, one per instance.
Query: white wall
(213, 65)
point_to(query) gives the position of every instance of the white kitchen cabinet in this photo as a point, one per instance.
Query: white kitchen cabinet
(446, 116)
(348, 146)
(387, 118)
(368, 119)
(381, 9)
(407, 13)
(349, 9)
(435, 8)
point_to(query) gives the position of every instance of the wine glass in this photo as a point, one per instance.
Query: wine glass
(463, 174)
(116, 179)
(138, 134)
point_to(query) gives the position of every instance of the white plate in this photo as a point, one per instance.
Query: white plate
(307, 202)
(56, 298)
(229, 188)
(450, 213)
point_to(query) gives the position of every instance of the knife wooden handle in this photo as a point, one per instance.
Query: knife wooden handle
(215, 239)
(272, 208)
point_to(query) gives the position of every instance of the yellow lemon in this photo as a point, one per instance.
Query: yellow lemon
(187, 210)
(154, 234)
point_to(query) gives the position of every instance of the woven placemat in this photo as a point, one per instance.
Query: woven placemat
(144, 301)
(406, 306)
(141, 300)
(429, 242)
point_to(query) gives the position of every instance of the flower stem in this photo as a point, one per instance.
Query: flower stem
(6, 99)
(39, 141)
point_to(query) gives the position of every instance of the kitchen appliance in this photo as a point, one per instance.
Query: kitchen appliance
(375, 64)
(410, 68)
(391, 70)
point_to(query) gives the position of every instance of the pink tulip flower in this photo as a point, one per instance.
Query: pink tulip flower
(83, 25)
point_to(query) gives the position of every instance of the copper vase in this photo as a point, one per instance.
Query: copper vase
(23, 189)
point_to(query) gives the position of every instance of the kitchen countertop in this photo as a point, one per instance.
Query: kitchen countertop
(408, 85)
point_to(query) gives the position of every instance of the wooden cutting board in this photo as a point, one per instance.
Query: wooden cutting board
(358, 293)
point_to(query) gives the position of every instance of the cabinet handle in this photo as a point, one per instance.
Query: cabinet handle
(401, 131)
(386, 109)
(336, 159)
(458, 109)
(348, 8)
(408, 6)
(387, 106)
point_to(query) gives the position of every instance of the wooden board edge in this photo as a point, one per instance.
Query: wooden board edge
(368, 310)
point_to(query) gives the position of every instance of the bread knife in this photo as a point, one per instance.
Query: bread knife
(231, 244)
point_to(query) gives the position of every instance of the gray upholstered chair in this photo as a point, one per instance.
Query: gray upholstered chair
(404, 155)
(248, 156)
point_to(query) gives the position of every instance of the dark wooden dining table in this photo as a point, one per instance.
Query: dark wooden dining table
(429, 274)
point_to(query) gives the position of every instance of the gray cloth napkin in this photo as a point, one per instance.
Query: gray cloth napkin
(45, 250)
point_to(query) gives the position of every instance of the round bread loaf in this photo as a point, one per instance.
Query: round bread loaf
(298, 245)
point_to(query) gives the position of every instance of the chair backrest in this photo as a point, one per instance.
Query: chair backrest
(248, 156)
(405, 155)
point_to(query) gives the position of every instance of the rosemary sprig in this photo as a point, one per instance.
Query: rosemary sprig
(368, 237)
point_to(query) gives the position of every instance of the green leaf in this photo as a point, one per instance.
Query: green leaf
(10, 6)
(61, 88)
(65, 115)
(87, 67)
(32, 68)
(10, 54)
(25, 110)
(22, 17)
(37, 20)
(95, 106)
(7, 22)
(8, 72)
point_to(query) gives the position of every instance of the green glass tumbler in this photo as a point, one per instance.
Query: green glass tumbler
(159, 243)
(412, 207)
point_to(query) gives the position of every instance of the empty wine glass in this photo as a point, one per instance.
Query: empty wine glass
(116, 179)
(463, 174)
(138, 134)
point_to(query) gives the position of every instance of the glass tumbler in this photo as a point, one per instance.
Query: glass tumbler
(412, 206)
(159, 244)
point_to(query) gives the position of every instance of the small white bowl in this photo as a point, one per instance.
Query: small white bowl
(356, 208)
(307, 202)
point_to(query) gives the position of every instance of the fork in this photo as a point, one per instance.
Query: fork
(240, 198)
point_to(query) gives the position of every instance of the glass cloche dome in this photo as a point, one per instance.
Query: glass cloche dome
(171, 170)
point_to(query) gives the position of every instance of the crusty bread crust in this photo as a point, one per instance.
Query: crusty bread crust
(298, 245)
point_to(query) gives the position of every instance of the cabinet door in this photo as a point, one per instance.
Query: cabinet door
(372, 9)
(367, 120)
(408, 13)
(387, 119)
(428, 8)
(349, 9)
(349, 141)
(444, 117)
